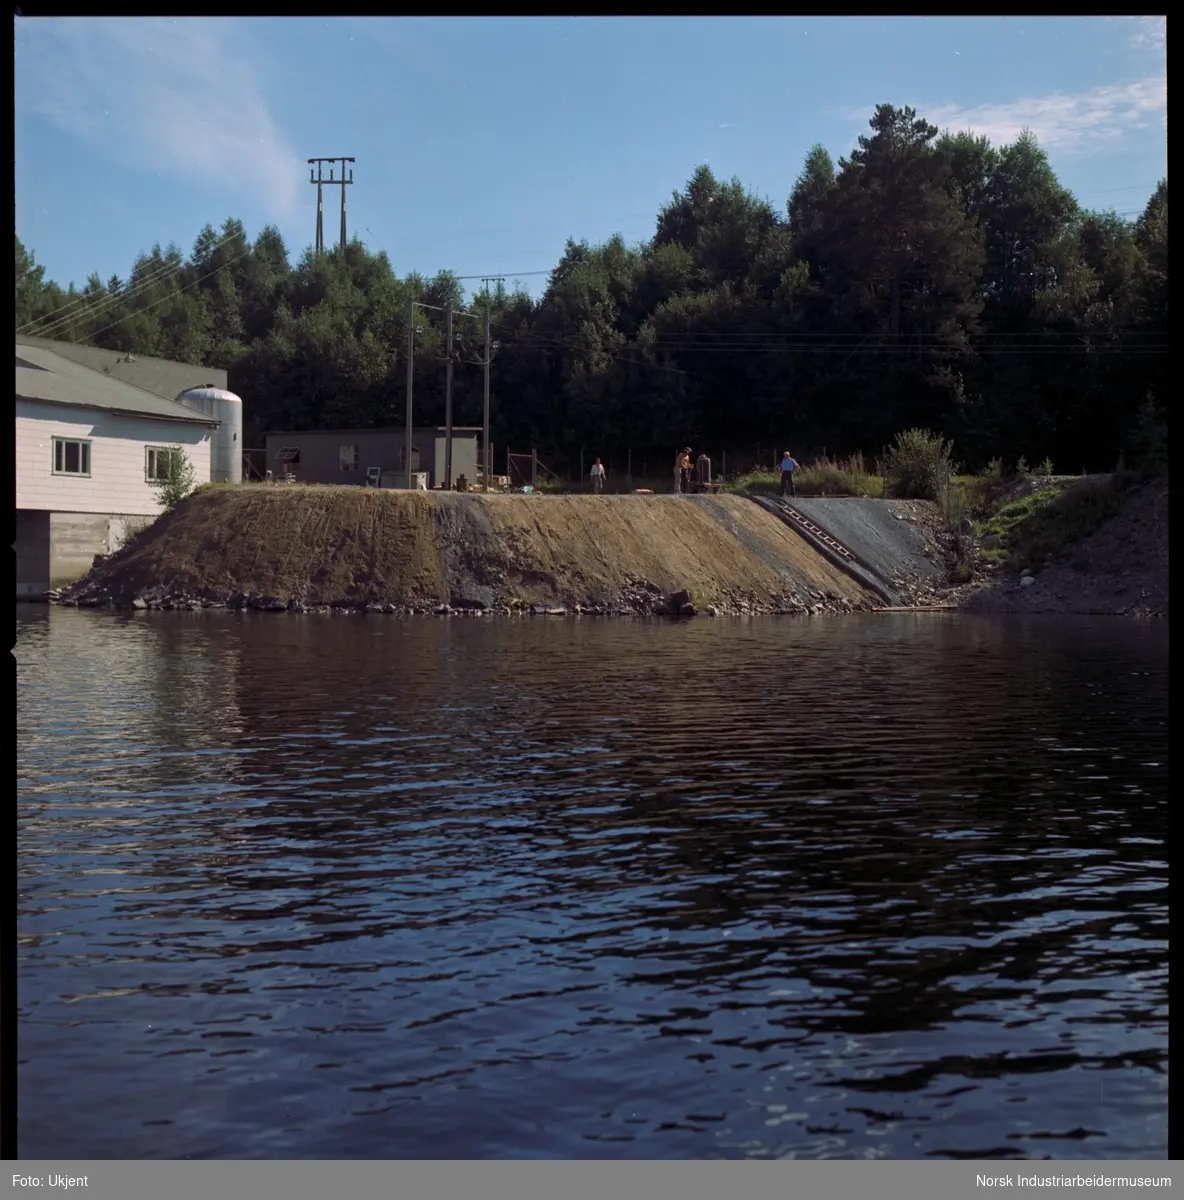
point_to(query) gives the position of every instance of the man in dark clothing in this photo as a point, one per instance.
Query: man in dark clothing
(788, 467)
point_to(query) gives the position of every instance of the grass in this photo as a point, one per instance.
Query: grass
(823, 477)
(1043, 524)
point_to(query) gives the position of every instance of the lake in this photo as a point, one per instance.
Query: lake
(882, 886)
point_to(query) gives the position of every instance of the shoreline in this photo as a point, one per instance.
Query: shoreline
(353, 550)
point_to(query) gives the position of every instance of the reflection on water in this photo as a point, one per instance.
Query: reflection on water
(363, 887)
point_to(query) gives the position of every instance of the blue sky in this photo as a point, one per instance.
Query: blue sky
(482, 145)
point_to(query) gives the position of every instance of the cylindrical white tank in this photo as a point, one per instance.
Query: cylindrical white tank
(226, 446)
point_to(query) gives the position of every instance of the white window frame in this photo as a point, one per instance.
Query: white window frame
(344, 463)
(149, 451)
(58, 455)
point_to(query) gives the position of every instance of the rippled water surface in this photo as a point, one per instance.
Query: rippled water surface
(364, 887)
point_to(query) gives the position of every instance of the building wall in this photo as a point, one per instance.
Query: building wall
(55, 549)
(117, 483)
(464, 457)
(75, 539)
(32, 553)
(320, 454)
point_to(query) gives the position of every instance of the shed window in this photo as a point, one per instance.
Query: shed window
(156, 461)
(348, 457)
(71, 457)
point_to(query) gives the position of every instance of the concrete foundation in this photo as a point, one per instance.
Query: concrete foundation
(32, 553)
(53, 549)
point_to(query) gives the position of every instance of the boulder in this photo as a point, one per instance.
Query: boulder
(677, 601)
(473, 597)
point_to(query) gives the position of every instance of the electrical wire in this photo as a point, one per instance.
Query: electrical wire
(172, 295)
(64, 316)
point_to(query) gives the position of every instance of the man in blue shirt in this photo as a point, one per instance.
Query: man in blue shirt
(788, 466)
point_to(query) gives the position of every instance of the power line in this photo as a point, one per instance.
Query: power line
(62, 317)
(165, 299)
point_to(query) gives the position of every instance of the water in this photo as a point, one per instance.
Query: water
(363, 887)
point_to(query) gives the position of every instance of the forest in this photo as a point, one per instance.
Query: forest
(928, 280)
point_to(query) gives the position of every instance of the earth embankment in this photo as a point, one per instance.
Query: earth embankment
(342, 547)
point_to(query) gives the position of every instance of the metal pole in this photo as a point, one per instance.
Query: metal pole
(343, 185)
(320, 219)
(410, 378)
(534, 468)
(486, 450)
(448, 403)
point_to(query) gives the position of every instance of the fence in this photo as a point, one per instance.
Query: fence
(525, 470)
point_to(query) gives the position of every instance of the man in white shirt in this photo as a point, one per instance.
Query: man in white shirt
(597, 477)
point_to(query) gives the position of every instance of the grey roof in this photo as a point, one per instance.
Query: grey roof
(160, 375)
(51, 379)
(380, 429)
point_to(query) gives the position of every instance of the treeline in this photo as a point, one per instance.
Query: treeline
(926, 281)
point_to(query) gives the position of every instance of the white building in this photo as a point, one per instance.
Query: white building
(87, 446)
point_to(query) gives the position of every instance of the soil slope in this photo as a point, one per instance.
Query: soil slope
(311, 547)
(1120, 569)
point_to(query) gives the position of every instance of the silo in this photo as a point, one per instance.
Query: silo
(226, 447)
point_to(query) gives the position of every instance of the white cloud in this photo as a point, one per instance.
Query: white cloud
(175, 96)
(1062, 121)
(1149, 33)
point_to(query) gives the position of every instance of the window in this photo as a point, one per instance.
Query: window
(348, 457)
(156, 462)
(71, 457)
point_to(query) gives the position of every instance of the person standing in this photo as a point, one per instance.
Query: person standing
(597, 477)
(788, 467)
(685, 469)
(682, 470)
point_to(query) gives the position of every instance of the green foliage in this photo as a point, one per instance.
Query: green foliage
(1044, 523)
(175, 477)
(919, 465)
(1147, 442)
(924, 282)
(132, 528)
(822, 477)
(1045, 470)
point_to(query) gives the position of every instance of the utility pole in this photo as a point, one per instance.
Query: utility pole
(410, 379)
(485, 456)
(485, 282)
(318, 177)
(448, 341)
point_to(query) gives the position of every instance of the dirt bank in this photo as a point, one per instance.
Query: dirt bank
(1119, 569)
(306, 548)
